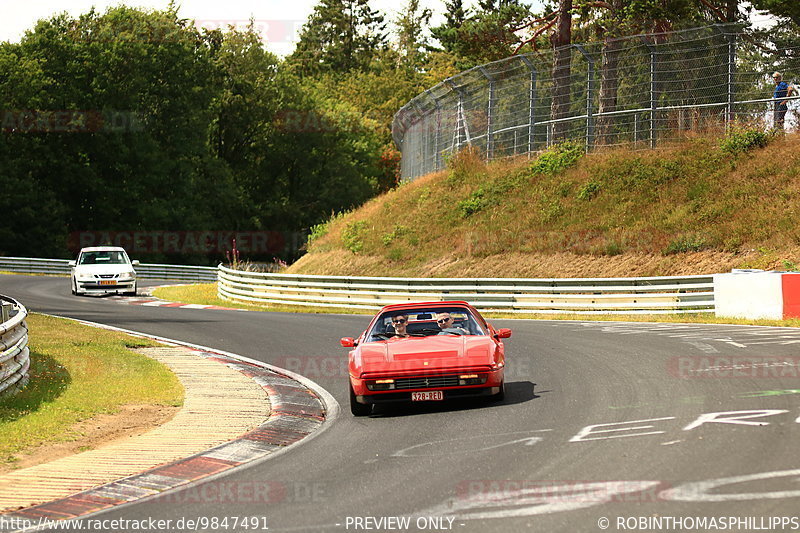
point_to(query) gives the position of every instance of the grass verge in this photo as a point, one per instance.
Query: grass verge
(206, 294)
(78, 372)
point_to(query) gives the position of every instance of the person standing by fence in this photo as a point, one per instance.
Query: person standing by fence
(782, 90)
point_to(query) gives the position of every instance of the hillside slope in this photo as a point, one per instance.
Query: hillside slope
(700, 206)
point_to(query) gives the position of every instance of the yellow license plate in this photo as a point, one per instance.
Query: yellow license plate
(107, 282)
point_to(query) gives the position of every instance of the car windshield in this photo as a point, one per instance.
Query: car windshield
(426, 322)
(103, 258)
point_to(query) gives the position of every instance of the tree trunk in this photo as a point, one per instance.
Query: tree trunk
(609, 89)
(562, 54)
(732, 10)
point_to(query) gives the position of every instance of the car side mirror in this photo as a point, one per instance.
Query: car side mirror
(347, 342)
(71, 263)
(503, 333)
(135, 262)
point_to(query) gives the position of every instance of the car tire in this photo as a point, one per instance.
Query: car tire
(358, 409)
(73, 286)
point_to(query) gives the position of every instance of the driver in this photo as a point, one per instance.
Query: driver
(399, 322)
(447, 325)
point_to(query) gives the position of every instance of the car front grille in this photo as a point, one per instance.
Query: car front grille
(430, 382)
(106, 276)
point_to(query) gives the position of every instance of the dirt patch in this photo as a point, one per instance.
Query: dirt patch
(95, 432)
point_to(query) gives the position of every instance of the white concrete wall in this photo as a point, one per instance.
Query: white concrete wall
(749, 295)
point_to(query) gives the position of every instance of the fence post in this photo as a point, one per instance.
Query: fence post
(489, 115)
(589, 96)
(652, 49)
(731, 75)
(532, 104)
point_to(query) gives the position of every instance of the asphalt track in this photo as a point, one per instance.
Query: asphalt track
(604, 424)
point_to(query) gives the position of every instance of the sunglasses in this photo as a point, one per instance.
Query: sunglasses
(443, 320)
(400, 321)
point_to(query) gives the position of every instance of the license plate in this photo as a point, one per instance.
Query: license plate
(107, 282)
(427, 396)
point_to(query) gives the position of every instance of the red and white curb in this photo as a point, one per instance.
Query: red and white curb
(299, 408)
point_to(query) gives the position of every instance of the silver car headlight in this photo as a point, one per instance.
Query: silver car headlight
(130, 274)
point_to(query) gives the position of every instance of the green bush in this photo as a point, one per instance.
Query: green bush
(557, 158)
(398, 231)
(320, 230)
(687, 243)
(589, 191)
(742, 139)
(476, 202)
(353, 234)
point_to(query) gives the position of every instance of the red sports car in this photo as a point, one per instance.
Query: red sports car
(426, 352)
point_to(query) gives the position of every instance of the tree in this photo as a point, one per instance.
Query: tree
(411, 41)
(614, 19)
(782, 8)
(561, 39)
(134, 88)
(447, 33)
(340, 36)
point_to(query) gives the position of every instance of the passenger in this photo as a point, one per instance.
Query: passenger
(447, 325)
(399, 322)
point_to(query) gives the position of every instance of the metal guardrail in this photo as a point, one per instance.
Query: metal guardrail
(14, 353)
(653, 295)
(28, 265)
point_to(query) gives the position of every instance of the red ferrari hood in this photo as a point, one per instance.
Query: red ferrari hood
(425, 353)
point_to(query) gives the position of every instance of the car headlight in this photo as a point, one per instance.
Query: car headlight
(130, 274)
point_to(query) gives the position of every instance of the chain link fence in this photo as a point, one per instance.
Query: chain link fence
(638, 91)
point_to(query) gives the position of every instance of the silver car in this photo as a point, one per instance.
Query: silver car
(103, 270)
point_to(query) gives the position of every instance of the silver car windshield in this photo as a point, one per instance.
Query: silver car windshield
(103, 258)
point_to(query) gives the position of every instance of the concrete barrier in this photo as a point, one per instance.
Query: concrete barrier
(754, 295)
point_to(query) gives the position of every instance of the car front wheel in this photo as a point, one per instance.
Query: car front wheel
(358, 409)
(73, 286)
